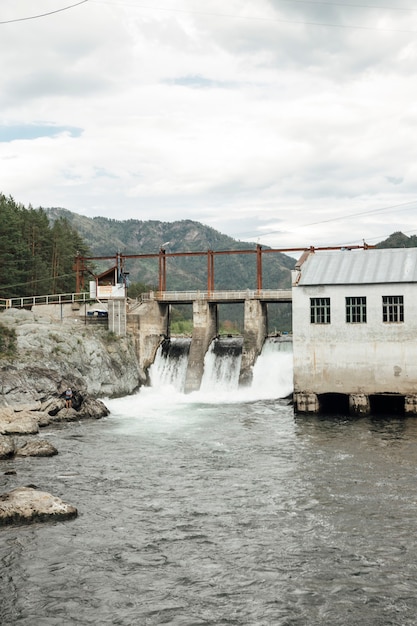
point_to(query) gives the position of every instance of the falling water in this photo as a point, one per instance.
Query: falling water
(170, 366)
(273, 370)
(222, 365)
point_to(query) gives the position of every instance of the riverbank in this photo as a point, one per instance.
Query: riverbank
(47, 357)
(42, 360)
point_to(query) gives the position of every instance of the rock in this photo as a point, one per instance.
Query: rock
(25, 505)
(44, 419)
(39, 447)
(52, 405)
(33, 406)
(7, 447)
(93, 408)
(26, 422)
(52, 356)
(20, 423)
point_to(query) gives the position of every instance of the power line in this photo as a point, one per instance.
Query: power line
(342, 217)
(38, 280)
(353, 6)
(35, 17)
(332, 219)
(269, 19)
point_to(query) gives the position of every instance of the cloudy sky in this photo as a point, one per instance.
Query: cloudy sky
(286, 122)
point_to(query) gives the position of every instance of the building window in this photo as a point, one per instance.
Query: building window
(392, 308)
(356, 310)
(320, 310)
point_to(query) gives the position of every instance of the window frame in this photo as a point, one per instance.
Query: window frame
(356, 309)
(393, 309)
(320, 311)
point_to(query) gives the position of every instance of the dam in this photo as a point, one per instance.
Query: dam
(148, 322)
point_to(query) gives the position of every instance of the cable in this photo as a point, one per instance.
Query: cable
(266, 19)
(353, 6)
(38, 280)
(368, 239)
(342, 217)
(331, 219)
(35, 17)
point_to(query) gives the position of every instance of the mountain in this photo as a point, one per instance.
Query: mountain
(398, 240)
(106, 237)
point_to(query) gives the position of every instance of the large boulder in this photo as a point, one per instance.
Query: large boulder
(24, 505)
(37, 447)
(17, 423)
(51, 356)
(93, 408)
(21, 420)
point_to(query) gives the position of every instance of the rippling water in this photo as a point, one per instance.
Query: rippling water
(212, 511)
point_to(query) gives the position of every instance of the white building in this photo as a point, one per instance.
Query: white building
(355, 331)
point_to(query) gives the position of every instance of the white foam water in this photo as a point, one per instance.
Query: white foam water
(273, 370)
(221, 367)
(169, 368)
(272, 379)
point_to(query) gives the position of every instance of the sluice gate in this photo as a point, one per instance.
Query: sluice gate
(149, 324)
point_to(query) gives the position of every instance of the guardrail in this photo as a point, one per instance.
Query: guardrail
(266, 295)
(29, 301)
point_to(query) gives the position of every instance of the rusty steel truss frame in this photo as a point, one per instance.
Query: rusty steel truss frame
(81, 269)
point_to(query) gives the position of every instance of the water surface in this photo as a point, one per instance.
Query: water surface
(218, 509)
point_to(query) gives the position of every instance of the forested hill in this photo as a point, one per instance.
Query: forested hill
(38, 248)
(398, 240)
(36, 257)
(108, 236)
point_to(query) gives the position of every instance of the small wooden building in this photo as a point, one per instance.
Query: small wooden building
(108, 285)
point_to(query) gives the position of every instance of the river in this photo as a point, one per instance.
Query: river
(218, 509)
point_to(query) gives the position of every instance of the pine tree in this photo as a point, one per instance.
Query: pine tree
(14, 255)
(35, 257)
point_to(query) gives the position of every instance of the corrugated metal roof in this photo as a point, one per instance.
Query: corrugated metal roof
(374, 265)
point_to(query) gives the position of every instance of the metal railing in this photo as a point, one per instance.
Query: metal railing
(267, 295)
(29, 301)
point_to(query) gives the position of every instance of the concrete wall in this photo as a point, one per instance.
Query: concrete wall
(59, 312)
(117, 316)
(255, 331)
(204, 331)
(64, 310)
(148, 325)
(370, 358)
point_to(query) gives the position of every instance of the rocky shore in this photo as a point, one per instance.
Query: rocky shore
(47, 358)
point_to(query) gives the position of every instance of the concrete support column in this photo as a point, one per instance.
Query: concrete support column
(410, 404)
(254, 332)
(306, 402)
(359, 404)
(148, 325)
(204, 331)
(117, 316)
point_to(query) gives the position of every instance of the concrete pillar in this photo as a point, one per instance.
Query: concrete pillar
(204, 331)
(148, 325)
(117, 316)
(254, 332)
(306, 402)
(359, 404)
(410, 404)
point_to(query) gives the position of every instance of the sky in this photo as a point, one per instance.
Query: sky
(290, 123)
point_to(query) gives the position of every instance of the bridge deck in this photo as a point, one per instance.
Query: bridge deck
(217, 297)
(170, 297)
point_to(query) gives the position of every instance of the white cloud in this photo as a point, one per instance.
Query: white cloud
(244, 116)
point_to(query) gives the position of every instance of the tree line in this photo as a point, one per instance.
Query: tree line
(36, 256)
